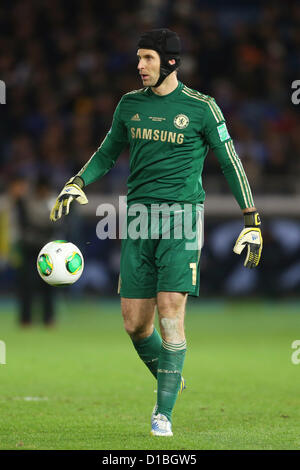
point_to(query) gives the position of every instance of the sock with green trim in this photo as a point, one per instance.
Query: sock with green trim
(149, 349)
(170, 365)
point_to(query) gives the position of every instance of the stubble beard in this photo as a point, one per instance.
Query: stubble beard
(150, 81)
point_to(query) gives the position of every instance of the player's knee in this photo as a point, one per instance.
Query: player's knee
(170, 302)
(135, 330)
(130, 328)
(172, 329)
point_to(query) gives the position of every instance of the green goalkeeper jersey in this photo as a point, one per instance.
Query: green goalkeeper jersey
(168, 137)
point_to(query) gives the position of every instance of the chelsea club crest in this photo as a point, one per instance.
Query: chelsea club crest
(181, 121)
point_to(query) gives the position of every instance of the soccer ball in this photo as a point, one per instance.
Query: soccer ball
(60, 263)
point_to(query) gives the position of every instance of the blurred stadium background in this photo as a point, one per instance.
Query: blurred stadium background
(66, 65)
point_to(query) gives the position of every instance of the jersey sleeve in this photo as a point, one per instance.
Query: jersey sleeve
(107, 154)
(219, 140)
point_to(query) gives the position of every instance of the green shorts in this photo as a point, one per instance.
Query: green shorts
(161, 251)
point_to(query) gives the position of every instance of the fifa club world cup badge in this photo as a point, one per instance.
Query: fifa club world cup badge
(181, 121)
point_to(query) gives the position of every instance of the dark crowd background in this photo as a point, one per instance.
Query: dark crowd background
(66, 64)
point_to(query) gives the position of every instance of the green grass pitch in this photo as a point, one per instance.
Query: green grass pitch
(81, 385)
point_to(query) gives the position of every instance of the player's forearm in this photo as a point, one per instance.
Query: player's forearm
(235, 175)
(95, 168)
(240, 187)
(101, 161)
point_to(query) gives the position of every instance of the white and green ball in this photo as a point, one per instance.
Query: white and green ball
(60, 263)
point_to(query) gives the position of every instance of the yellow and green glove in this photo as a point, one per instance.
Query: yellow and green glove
(72, 190)
(251, 237)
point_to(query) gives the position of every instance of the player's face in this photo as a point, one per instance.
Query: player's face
(148, 66)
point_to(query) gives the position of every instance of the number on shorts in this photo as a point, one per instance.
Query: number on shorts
(193, 267)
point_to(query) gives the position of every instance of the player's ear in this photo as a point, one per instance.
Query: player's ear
(172, 61)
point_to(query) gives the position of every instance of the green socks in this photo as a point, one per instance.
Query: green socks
(165, 362)
(149, 349)
(170, 367)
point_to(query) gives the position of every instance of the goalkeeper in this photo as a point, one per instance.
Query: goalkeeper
(169, 129)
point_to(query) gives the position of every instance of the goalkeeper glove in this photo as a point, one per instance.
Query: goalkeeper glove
(72, 190)
(251, 237)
